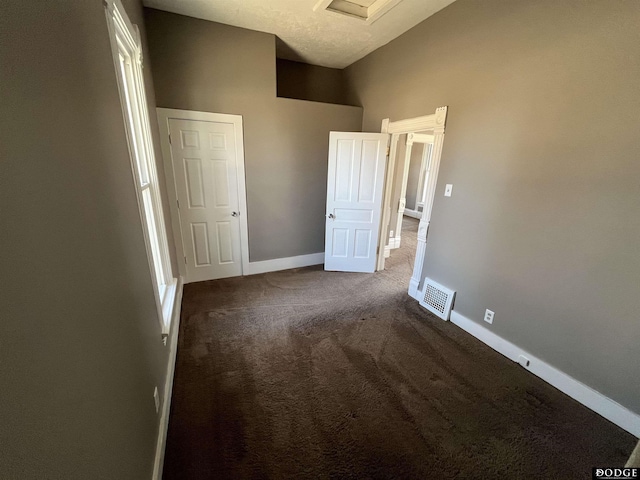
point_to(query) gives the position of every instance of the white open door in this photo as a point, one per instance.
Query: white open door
(355, 183)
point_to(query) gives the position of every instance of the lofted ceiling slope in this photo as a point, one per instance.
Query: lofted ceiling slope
(319, 37)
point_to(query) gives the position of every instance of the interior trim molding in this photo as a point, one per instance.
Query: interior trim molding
(265, 266)
(172, 344)
(412, 213)
(413, 289)
(587, 396)
(417, 124)
(394, 242)
(386, 199)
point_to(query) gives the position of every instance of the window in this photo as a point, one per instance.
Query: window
(127, 52)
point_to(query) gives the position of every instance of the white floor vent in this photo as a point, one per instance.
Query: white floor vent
(437, 299)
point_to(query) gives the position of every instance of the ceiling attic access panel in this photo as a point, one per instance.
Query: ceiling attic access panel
(367, 10)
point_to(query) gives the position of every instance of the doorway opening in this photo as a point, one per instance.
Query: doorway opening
(418, 176)
(413, 158)
(429, 132)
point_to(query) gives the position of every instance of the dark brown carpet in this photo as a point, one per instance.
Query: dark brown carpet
(308, 374)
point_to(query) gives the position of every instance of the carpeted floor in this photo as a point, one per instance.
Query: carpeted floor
(307, 374)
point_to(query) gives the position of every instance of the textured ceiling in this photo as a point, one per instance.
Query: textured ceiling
(321, 38)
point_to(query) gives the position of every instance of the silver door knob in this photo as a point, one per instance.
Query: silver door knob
(235, 214)
(331, 215)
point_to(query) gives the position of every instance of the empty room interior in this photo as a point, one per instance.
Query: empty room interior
(364, 239)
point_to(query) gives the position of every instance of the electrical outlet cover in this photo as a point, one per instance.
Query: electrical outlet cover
(488, 316)
(524, 361)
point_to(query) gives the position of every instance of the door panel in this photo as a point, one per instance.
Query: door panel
(225, 242)
(368, 171)
(205, 171)
(200, 239)
(195, 184)
(355, 184)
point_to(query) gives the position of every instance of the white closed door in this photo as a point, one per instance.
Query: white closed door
(355, 182)
(204, 161)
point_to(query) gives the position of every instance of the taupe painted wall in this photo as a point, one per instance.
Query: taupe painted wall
(414, 174)
(311, 82)
(206, 66)
(80, 344)
(542, 147)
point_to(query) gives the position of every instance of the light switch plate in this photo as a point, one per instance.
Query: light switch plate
(448, 189)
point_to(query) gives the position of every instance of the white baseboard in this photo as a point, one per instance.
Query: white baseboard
(387, 251)
(413, 213)
(394, 242)
(413, 289)
(590, 398)
(277, 264)
(172, 345)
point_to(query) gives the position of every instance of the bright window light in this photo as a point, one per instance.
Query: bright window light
(127, 52)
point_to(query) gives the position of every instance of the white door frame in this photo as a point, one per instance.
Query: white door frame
(164, 115)
(435, 122)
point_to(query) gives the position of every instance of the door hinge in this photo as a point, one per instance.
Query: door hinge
(178, 202)
(185, 260)
(388, 151)
(170, 142)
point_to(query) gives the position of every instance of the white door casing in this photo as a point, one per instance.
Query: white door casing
(204, 165)
(355, 183)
